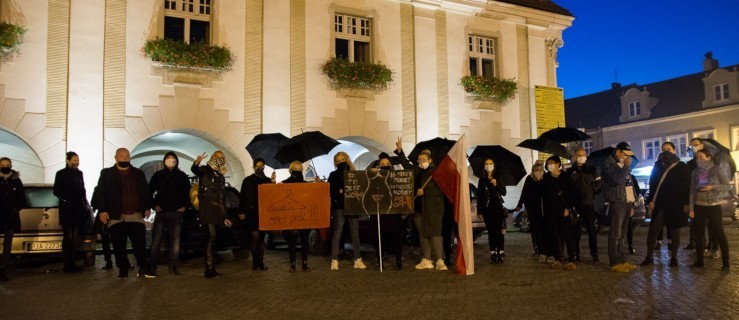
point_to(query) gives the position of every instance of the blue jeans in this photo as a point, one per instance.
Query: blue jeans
(617, 232)
(170, 221)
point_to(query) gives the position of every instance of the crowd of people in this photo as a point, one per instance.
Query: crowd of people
(558, 202)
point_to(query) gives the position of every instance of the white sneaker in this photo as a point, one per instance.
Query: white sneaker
(425, 264)
(334, 265)
(716, 254)
(550, 259)
(440, 266)
(358, 264)
(542, 258)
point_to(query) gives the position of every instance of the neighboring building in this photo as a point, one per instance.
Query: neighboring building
(704, 105)
(80, 81)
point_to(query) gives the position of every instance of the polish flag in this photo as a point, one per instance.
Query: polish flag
(451, 176)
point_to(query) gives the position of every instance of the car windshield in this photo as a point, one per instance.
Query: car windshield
(41, 198)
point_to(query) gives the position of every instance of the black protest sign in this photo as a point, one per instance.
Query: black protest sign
(383, 192)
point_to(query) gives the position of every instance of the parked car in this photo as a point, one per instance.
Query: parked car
(478, 225)
(730, 205)
(41, 232)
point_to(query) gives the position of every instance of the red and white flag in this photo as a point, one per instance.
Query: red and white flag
(451, 176)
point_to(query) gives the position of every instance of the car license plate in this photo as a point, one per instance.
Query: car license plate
(43, 245)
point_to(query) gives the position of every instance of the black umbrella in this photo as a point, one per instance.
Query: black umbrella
(305, 146)
(265, 145)
(546, 146)
(439, 148)
(719, 152)
(506, 162)
(564, 135)
(720, 147)
(598, 157)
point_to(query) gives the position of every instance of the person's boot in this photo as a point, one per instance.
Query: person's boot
(398, 264)
(648, 261)
(292, 266)
(3, 277)
(493, 257)
(305, 266)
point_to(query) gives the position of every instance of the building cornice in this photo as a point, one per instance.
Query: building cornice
(637, 124)
(470, 7)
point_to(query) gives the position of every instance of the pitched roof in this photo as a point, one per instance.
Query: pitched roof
(602, 109)
(545, 5)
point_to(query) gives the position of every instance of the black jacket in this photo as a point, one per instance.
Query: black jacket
(531, 197)
(170, 188)
(69, 187)
(558, 194)
(587, 187)
(12, 200)
(336, 185)
(489, 197)
(211, 190)
(249, 198)
(673, 195)
(109, 191)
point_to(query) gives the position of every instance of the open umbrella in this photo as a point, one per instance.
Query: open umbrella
(305, 146)
(546, 146)
(265, 145)
(439, 148)
(598, 157)
(720, 154)
(564, 134)
(506, 162)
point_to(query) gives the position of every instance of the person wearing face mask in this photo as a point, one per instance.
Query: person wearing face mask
(618, 189)
(69, 187)
(170, 189)
(587, 183)
(296, 176)
(124, 201)
(390, 224)
(559, 195)
(668, 203)
(343, 163)
(490, 192)
(12, 199)
(531, 200)
(708, 188)
(249, 212)
(212, 211)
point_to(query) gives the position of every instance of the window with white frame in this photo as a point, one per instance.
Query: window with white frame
(721, 92)
(588, 146)
(352, 38)
(634, 109)
(652, 148)
(705, 134)
(187, 20)
(481, 56)
(681, 144)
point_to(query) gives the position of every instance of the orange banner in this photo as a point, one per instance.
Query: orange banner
(288, 206)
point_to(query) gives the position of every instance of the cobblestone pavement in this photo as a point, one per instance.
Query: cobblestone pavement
(519, 289)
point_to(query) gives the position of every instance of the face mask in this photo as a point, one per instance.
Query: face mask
(170, 163)
(423, 165)
(259, 171)
(342, 166)
(581, 160)
(703, 164)
(124, 164)
(5, 170)
(489, 167)
(697, 148)
(74, 167)
(620, 164)
(297, 174)
(552, 167)
(386, 168)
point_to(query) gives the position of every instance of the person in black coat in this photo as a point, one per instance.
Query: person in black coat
(559, 195)
(296, 176)
(532, 201)
(170, 188)
(12, 200)
(668, 201)
(211, 211)
(390, 224)
(74, 212)
(490, 192)
(249, 212)
(343, 163)
(124, 201)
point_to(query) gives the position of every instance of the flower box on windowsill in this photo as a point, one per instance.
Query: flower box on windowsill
(172, 75)
(359, 77)
(492, 89)
(197, 57)
(11, 36)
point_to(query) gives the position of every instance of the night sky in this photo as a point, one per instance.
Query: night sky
(643, 41)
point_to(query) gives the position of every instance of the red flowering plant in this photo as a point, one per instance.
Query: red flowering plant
(490, 89)
(357, 75)
(11, 36)
(196, 56)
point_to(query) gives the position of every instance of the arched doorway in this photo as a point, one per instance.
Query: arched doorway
(24, 158)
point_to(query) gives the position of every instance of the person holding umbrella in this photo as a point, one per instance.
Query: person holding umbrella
(296, 176)
(531, 200)
(336, 187)
(490, 192)
(249, 206)
(559, 195)
(212, 212)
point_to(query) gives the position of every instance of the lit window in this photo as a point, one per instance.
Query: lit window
(352, 38)
(707, 134)
(634, 109)
(588, 146)
(681, 144)
(721, 92)
(481, 56)
(187, 20)
(652, 148)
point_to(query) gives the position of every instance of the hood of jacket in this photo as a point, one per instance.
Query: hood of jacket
(171, 153)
